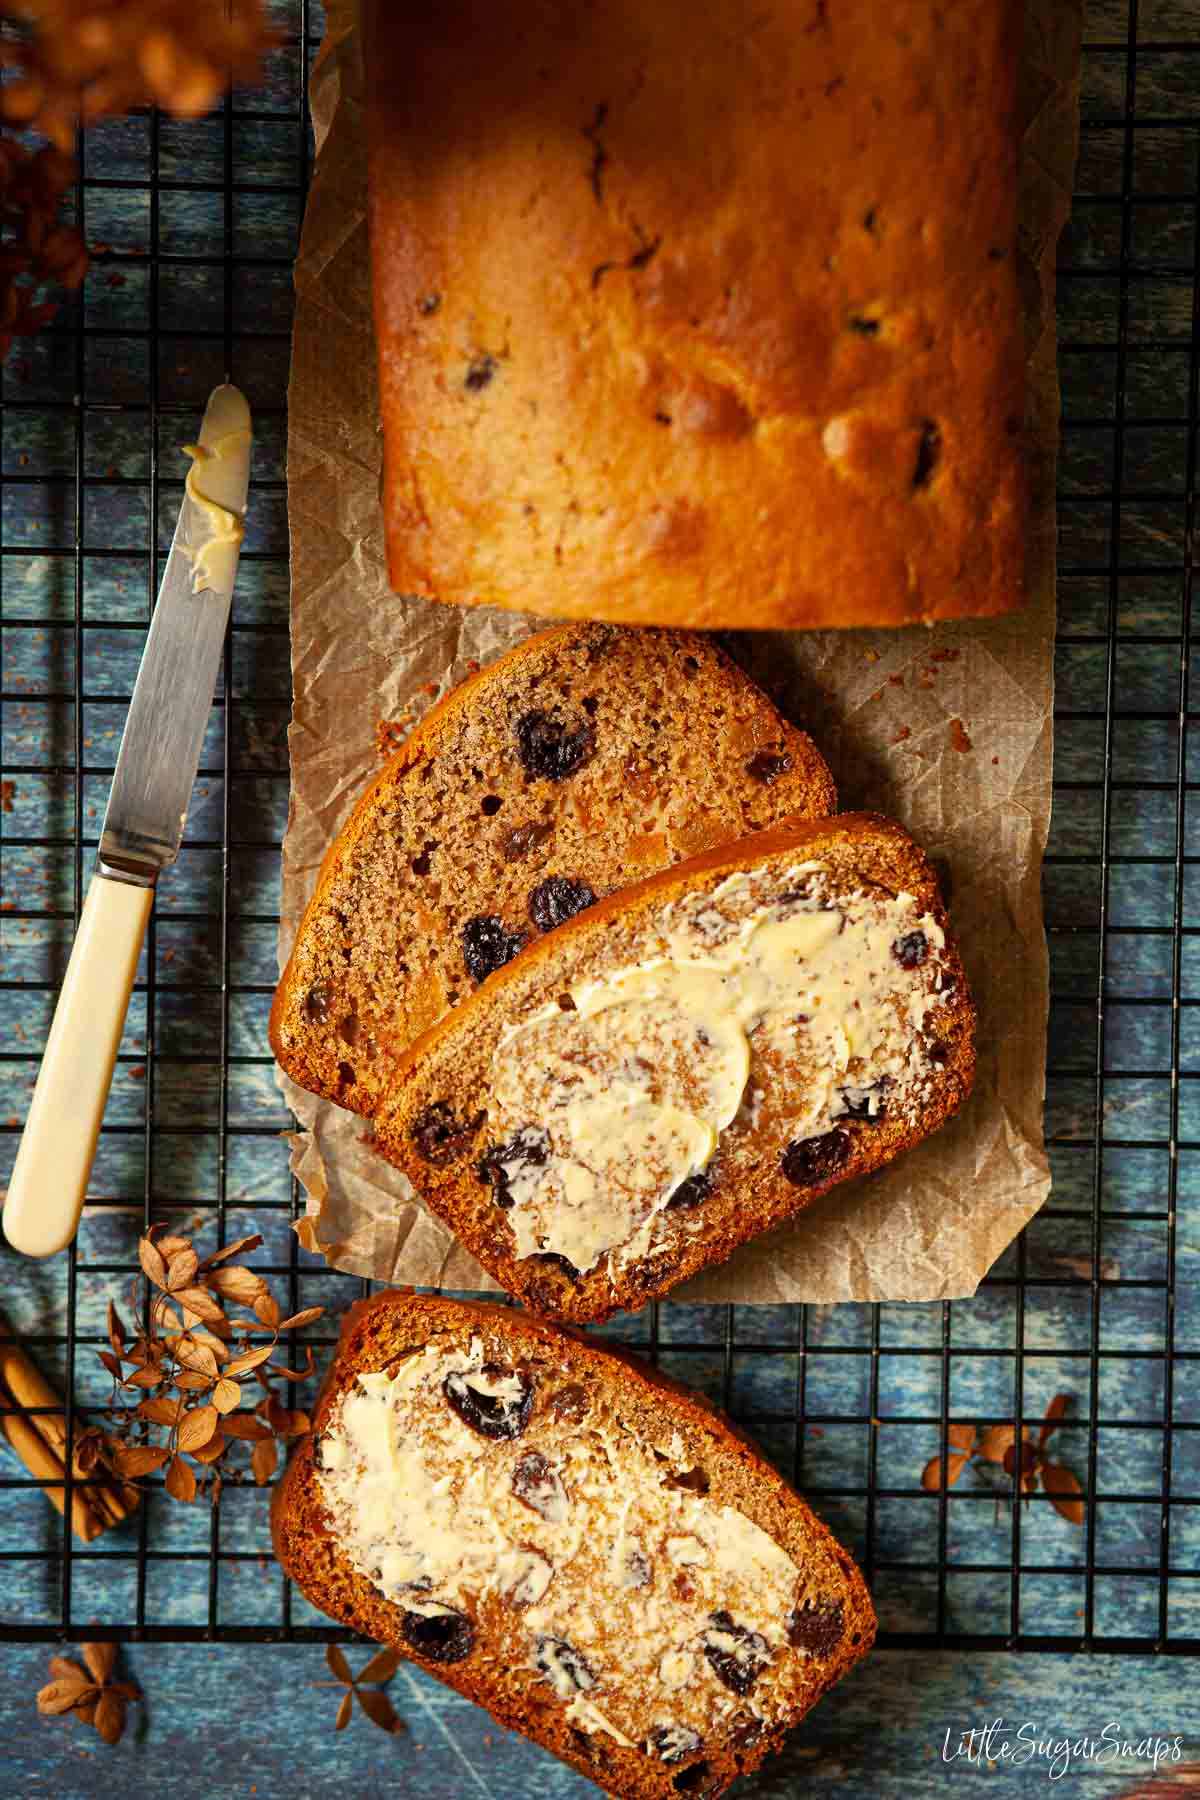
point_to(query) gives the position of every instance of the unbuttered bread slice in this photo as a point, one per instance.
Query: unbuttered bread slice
(689, 1063)
(587, 758)
(568, 1538)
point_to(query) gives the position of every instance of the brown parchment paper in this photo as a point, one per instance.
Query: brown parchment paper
(948, 730)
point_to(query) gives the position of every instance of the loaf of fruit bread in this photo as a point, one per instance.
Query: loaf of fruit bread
(688, 1063)
(689, 314)
(569, 1539)
(587, 758)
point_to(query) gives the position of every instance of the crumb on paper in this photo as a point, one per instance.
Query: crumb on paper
(944, 655)
(871, 656)
(959, 738)
(389, 735)
(902, 736)
(897, 680)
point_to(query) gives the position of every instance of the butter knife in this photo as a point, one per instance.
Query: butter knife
(143, 828)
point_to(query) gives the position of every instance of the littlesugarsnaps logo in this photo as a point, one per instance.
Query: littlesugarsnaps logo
(1004, 1741)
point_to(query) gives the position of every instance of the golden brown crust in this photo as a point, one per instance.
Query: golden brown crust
(691, 319)
(374, 1333)
(450, 1064)
(677, 731)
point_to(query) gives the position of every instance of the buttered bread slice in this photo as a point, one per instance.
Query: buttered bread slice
(587, 758)
(689, 1063)
(570, 1540)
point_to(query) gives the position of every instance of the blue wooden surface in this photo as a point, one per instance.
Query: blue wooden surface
(231, 1719)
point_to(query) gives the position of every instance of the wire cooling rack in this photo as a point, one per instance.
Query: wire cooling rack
(195, 227)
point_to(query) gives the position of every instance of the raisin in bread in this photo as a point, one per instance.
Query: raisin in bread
(689, 1063)
(569, 1539)
(689, 315)
(586, 758)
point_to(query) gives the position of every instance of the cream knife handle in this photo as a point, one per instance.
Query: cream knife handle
(54, 1160)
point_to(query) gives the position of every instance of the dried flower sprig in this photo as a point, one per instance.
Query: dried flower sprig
(90, 1693)
(186, 1367)
(1027, 1462)
(78, 60)
(378, 1672)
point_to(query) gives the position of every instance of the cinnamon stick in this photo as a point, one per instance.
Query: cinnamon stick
(23, 1388)
(45, 1467)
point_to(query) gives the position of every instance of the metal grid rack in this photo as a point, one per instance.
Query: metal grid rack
(1097, 1299)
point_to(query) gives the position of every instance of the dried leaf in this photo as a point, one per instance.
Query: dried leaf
(87, 1450)
(378, 1709)
(339, 1668)
(238, 1284)
(995, 1444)
(344, 1711)
(211, 1337)
(86, 1711)
(151, 1376)
(1065, 1492)
(171, 1246)
(162, 1410)
(961, 1437)
(306, 1317)
(116, 1330)
(252, 1359)
(244, 1425)
(294, 1374)
(63, 1669)
(1055, 1413)
(61, 1696)
(266, 1308)
(931, 1477)
(226, 1395)
(110, 1718)
(180, 1482)
(164, 1314)
(214, 1492)
(101, 1660)
(300, 1426)
(191, 1383)
(197, 1427)
(199, 1301)
(263, 1460)
(382, 1667)
(239, 1244)
(152, 1263)
(181, 1270)
(1018, 1459)
(133, 1460)
(128, 1690)
(110, 1363)
(215, 1447)
(194, 1354)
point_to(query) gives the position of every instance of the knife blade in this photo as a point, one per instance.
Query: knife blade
(173, 694)
(143, 828)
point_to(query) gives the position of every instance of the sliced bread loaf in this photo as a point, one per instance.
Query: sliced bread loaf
(689, 1063)
(585, 759)
(569, 1539)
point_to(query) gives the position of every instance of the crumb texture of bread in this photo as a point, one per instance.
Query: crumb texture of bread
(688, 1064)
(585, 759)
(569, 1539)
(693, 316)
